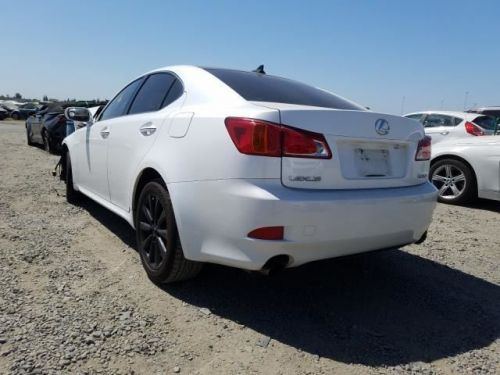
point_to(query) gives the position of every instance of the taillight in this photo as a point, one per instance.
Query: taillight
(473, 129)
(255, 137)
(258, 137)
(303, 144)
(424, 149)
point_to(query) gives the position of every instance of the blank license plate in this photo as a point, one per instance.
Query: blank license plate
(372, 163)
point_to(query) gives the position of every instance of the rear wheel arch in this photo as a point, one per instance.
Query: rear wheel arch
(146, 175)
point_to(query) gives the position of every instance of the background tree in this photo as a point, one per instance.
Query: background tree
(18, 96)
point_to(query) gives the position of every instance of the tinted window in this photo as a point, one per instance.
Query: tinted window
(434, 120)
(457, 120)
(175, 92)
(119, 105)
(486, 122)
(152, 94)
(417, 117)
(264, 88)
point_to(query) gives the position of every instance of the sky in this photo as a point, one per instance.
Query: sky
(392, 56)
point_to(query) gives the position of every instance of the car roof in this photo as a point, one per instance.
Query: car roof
(448, 113)
(490, 108)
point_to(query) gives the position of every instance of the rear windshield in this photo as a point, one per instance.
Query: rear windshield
(264, 88)
(486, 122)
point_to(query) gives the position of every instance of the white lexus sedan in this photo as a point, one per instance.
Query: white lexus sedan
(249, 170)
(465, 169)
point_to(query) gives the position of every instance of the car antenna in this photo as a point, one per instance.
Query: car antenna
(259, 70)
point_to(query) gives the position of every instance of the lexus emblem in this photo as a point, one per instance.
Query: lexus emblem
(382, 126)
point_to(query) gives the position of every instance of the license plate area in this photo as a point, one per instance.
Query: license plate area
(373, 163)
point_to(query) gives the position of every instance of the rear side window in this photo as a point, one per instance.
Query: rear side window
(152, 93)
(119, 105)
(264, 88)
(435, 120)
(486, 122)
(174, 93)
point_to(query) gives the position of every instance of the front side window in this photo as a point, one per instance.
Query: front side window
(119, 105)
(152, 93)
(435, 120)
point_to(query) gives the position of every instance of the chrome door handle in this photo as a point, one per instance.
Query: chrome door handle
(104, 132)
(445, 132)
(147, 129)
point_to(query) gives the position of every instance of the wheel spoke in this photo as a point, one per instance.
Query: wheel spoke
(156, 209)
(146, 243)
(437, 177)
(460, 177)
(151, 207)
(443, 190)
(145, 226)
(158, 252)
(455, 190)
(162, 246)
(447, 168)
(147, 214)
(162, 233)
(162, 217)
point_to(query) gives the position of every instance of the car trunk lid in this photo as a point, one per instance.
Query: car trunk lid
(369, 150)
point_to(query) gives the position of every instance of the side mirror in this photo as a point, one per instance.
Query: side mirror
(77, 114)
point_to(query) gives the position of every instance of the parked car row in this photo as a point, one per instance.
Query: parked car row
(21, 112)
(260, 172)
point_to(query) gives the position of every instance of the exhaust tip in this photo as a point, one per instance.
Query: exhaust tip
(275, 264)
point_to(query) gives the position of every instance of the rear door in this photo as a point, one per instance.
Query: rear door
(132, 136)
(439, 126)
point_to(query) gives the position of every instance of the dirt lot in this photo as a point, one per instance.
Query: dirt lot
(74, 298)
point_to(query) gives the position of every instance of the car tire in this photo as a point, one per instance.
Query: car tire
(72, 196)
(28, 137)
(15, 116)
(455, 181)
(158, 240)
(47, 142)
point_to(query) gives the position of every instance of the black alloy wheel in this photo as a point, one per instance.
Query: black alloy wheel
(157, 237)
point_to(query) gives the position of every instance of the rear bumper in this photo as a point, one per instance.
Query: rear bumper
(214, 218)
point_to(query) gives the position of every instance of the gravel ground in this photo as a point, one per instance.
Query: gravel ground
(74, 298)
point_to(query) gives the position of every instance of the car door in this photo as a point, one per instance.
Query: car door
(438, 126)
(92, 161)
(131, 138)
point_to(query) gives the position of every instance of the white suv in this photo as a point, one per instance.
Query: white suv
(249, 170)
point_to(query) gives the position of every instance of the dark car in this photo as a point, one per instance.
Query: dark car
(47, 127)
(24, 111)
(4, 113)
